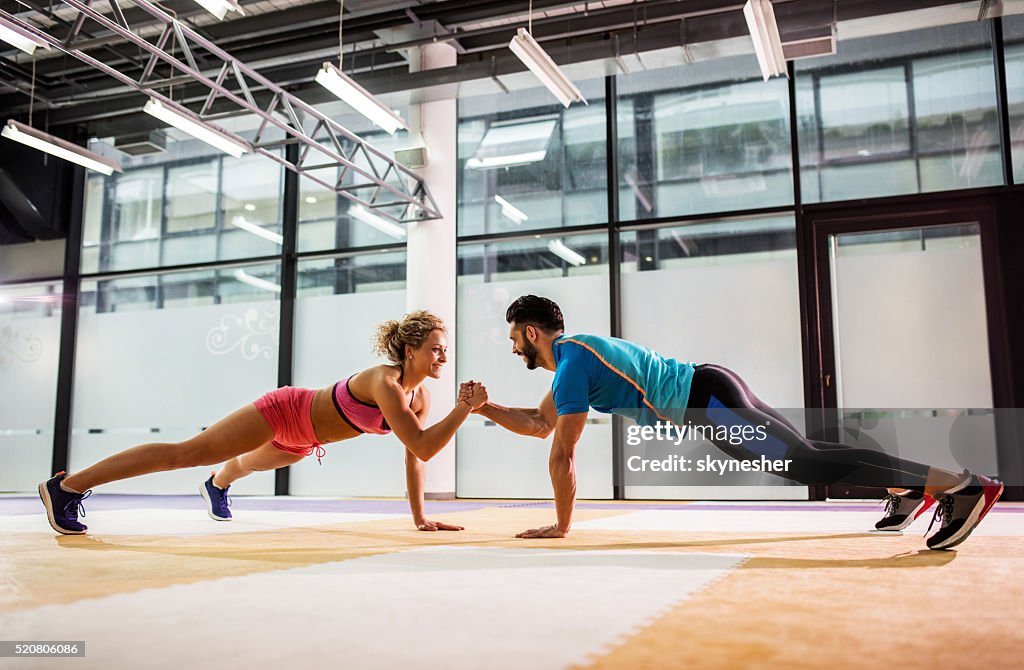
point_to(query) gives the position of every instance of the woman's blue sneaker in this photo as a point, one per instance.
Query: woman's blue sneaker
(63, 507)
(217, 500)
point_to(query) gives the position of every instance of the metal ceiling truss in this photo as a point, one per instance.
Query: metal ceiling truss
(379, 183)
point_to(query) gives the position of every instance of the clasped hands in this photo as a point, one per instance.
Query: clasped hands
(473, 393)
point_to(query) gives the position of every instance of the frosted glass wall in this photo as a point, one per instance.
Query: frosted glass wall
(911, 334)
(152, 374)
(724, 293)
(492, 462)
(333, 340)
(29, 354)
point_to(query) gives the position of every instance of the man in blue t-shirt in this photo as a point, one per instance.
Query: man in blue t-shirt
(615, 376)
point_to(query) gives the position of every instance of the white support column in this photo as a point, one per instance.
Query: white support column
(430, 269)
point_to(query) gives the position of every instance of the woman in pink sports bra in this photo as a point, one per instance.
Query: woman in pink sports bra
(289, 424)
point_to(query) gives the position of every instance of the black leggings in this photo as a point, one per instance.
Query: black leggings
(718, 396)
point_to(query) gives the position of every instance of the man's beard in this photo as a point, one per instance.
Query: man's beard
(530, 354)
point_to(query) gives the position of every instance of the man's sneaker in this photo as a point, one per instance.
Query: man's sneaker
(217, 500)
(63, 507)
(960, 512)
(901, 509)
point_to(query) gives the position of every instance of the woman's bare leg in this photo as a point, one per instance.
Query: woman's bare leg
(241, 431)
(266, 457)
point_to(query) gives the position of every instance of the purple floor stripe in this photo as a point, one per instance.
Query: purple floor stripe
(110, 501)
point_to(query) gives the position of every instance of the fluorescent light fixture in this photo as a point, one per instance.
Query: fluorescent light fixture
(55, 146)
(510, 211)
(18, 37)
(357, 97)
(196, 129)
(565, 253)
(374, 221)
(764, 31)
(534, 57)
(260, 231)
(246, 278)
(220, 8)
(506, 161)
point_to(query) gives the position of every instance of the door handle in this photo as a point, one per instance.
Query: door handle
(828, 380)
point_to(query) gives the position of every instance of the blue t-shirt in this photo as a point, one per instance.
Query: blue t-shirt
(619, 377)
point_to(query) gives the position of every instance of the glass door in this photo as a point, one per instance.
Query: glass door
(905, 340)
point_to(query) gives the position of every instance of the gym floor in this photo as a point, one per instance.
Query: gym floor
(302, 581)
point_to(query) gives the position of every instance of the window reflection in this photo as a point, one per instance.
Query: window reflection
(864, 114)
(28, 301)
(352, 274)
(1013, 36)
(325, 218)
(718, 145)
(187, 210)
(526, 163)
(534, 258)
(891, 116)
(254, 283)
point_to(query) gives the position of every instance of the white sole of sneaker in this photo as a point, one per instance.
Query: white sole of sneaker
(209, 505)
(44, 495)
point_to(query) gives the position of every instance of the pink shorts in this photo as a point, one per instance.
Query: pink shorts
(287, 412)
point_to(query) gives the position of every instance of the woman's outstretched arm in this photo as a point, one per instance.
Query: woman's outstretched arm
(424, 443)
(415, 476)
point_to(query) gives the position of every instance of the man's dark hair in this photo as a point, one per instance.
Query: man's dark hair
(532, 310)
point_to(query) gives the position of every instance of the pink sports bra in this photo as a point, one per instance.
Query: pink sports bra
(364, 417)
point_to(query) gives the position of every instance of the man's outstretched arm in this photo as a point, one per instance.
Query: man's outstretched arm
(562, 467)
(531, 421)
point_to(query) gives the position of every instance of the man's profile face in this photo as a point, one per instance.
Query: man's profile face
(521, 345)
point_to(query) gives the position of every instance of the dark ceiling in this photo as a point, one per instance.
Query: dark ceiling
(288, 44)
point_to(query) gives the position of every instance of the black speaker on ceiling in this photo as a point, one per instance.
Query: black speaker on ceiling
(35, 193)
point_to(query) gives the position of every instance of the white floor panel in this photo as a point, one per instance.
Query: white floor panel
(774, 521)
(144, 521)
(439, 607)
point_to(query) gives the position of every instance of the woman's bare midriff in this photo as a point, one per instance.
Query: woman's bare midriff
(327, 423)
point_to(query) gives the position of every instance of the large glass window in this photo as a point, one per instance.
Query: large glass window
(525, 162)
(572, 271)
(29, 354)
(723, 292)
(1013, 38)
(340, 302)
(913, 112)
(706, 137)
(128, 234)
(145, 372)
(181, 289)
(182, 208)
(329, 221)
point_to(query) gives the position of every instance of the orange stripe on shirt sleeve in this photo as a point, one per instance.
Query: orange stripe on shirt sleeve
(643, 393)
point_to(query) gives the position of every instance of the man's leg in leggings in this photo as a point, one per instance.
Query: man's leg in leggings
(718, 392)
(718, 397)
